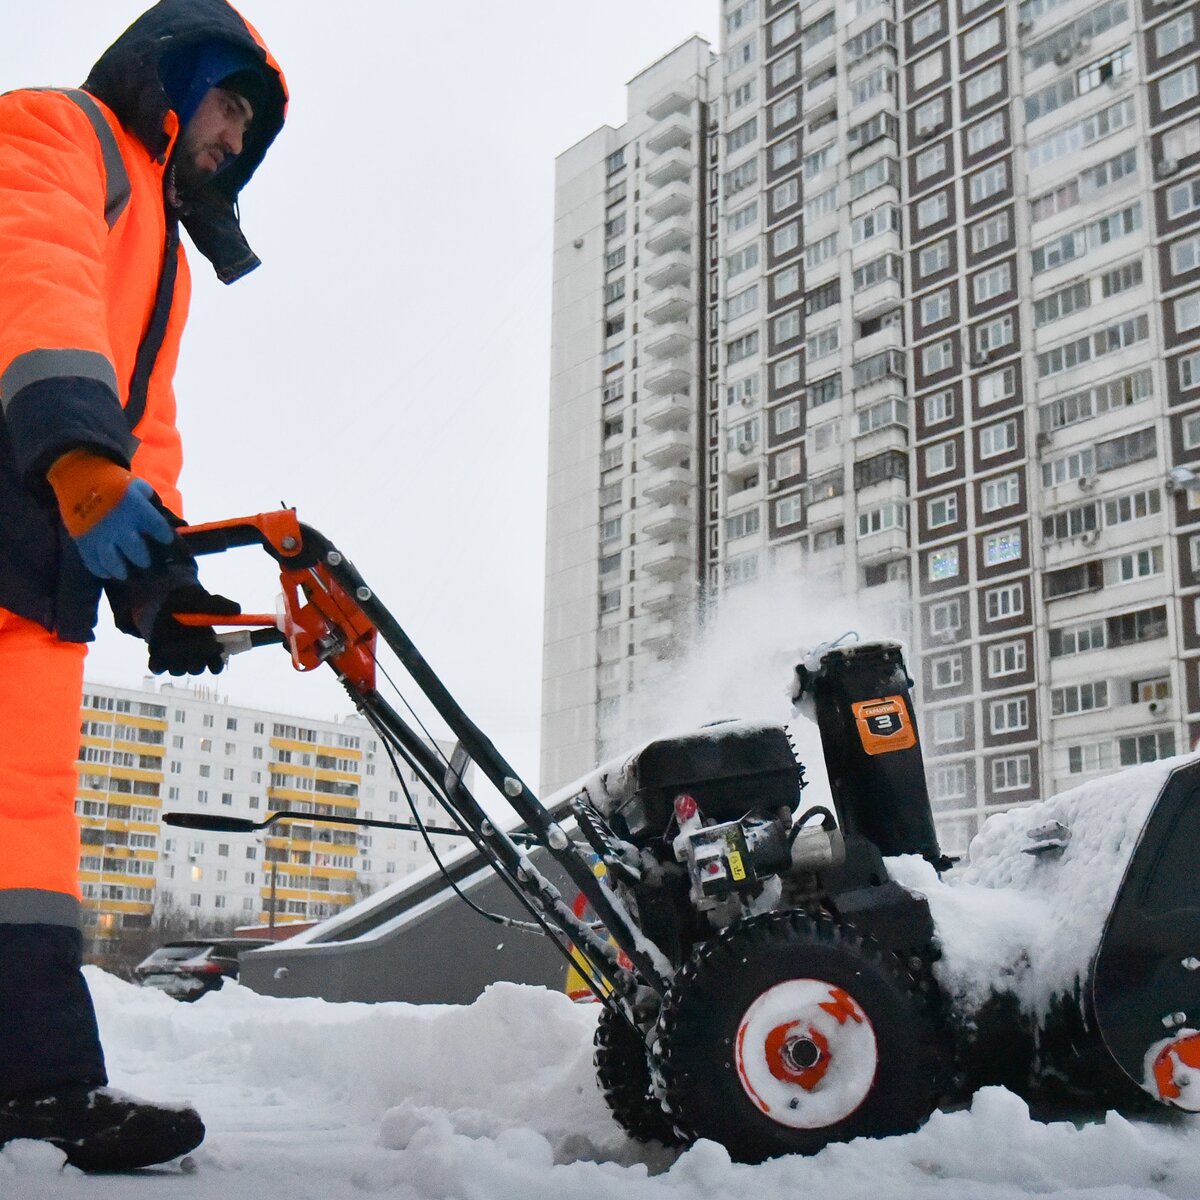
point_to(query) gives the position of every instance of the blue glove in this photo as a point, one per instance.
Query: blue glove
(120, 538)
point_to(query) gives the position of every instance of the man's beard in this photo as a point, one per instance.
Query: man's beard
(189, 177)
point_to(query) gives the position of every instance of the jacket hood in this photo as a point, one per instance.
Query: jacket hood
(126, 78)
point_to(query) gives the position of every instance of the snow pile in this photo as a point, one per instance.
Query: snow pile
(307, 1100)
(1029, 924)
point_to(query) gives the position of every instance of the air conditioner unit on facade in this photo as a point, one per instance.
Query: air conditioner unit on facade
(1165, 167)
(745, 447)
(1024, 27)
(981, 358)
(1043, 439)
(1063, 56)
(1086, 483)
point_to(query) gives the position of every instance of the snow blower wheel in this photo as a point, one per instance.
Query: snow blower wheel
(624, 1077)
(788, 1032)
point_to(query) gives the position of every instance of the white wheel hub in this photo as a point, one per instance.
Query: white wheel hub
(806, 1053)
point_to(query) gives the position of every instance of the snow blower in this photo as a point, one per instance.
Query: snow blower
(777, 977)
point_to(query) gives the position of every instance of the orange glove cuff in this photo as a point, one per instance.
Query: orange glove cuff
(88, 487)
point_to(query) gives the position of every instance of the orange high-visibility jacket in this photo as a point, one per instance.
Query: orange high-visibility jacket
(91, 305)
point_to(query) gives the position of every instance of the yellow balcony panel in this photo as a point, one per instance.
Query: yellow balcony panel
(133, 721)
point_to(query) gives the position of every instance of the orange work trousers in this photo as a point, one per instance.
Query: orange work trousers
(41, 685)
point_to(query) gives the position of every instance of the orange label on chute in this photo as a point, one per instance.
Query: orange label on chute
(883, 725)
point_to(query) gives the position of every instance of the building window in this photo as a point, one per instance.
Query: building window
(994, 334)
(949, 725)
(941, 511)
(947, 670)
(924, 25)
(948, 784)
(945, 617)
(1078, 698)
(1179, 86)
(930, 116)
(987, 285)
(939, 458)
(992, 232)
(1000, 603)
(1002, 547)
(988, 183)
(885, 517)
(1006, 658)
(986, 133)
(1187, 312)
(934, 258)
(741, 303)
(935, 307)
(981, 38)
(788, 511)
(928, 71)
(930, 162)
(933, 209)
(1007, 716)
(984, 86)
(943, 564)
(786, 417)
(937, 357)
(1000, 493)
(821, 205)
(1174, 35)
(1012, 773)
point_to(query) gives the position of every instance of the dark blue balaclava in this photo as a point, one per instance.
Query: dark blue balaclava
(188, 74)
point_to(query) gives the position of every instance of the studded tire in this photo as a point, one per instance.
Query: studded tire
(623, 1073)
(787, 1032)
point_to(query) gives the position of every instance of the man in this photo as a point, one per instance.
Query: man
(171, 124)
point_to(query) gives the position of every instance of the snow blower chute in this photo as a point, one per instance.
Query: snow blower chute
(765, 979)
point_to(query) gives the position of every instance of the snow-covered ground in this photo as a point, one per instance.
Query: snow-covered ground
(496, 1101)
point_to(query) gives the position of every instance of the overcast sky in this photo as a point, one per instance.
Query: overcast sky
(386, 370)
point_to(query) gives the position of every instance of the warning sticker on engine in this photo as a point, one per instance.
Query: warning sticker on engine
(883, 725)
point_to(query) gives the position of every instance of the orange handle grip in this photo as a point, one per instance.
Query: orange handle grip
(267, 620)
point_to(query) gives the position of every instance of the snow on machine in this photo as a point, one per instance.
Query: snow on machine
(776, 976)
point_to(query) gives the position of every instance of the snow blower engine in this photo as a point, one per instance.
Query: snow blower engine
(763, 981)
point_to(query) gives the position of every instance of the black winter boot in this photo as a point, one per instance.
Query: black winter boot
(101, 1129)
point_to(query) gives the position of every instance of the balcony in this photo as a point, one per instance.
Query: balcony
(669, 521)
(673, 377)
(878, 298)
(888, 543)
(744, 459)
(675, 343)
(668, 105)
(669, 168)
(675, 412)
(673, 305)
(667, 560)
(667, 448)
(665, 595)
(672, 234)
(670, 485)
(670, 270)
(875, 441)
(890, 338)
(669, 203)
(672, 136)
(659, 639)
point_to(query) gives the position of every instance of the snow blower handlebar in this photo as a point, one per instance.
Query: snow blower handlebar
(329, 615)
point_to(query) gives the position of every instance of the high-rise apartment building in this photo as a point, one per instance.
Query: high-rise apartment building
(144, 751)
(937, 342)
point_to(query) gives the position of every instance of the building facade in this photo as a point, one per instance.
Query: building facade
(937, 346)
(145, 751)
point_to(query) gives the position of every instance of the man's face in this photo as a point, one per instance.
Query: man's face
(215, 132)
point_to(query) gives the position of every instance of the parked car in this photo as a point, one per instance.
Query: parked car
(189, 968)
